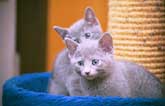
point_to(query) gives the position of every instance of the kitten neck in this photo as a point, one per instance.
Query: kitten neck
(93, 82)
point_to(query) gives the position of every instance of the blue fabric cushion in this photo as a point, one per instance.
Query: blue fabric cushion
(31, 90)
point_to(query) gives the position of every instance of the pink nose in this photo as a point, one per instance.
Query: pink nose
(87, 73)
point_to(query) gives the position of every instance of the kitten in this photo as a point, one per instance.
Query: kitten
(102, 75)
(64, 81)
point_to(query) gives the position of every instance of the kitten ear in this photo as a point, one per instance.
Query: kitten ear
(71, 45)
(90, 16)
(61, 31)
(106, 43)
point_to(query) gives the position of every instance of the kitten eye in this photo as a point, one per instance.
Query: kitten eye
(95, 61)
(80, 63)
(87, 35)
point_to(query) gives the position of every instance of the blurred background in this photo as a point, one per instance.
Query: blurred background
(28, 42)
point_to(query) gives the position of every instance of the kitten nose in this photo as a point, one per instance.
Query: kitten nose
(87, 73)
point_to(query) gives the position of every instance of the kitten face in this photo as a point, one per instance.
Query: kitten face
(89, 66)
(92, 57)
(86, 28)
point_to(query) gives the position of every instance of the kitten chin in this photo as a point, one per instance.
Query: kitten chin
(90, 77)
(102, 74)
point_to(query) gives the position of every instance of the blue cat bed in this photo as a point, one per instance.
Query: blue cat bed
(30, 90)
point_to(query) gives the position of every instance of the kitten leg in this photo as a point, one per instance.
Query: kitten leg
(56, 88)
(74, 87)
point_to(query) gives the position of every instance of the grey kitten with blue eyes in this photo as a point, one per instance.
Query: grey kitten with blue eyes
(64, 81)
(102, 75)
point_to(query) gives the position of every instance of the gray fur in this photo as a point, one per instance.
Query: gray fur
(110, 77)
(64, 80)
(127, 80)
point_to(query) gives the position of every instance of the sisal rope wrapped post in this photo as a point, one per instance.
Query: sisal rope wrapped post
(138, 31)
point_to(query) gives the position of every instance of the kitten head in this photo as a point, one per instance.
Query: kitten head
(91, 58)
(86, 28)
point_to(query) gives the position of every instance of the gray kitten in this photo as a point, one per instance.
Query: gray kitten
(102, 75)
(64, 80)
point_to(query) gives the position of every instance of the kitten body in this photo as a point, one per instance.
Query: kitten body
(102, 75)
(64, 80)
(128, 80)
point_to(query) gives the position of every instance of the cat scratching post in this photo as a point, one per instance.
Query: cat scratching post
(138, 30)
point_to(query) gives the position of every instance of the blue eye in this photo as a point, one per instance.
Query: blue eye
(95, 61)
(80, 63)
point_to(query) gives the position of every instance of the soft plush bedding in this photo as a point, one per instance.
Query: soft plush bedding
(31, 90)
